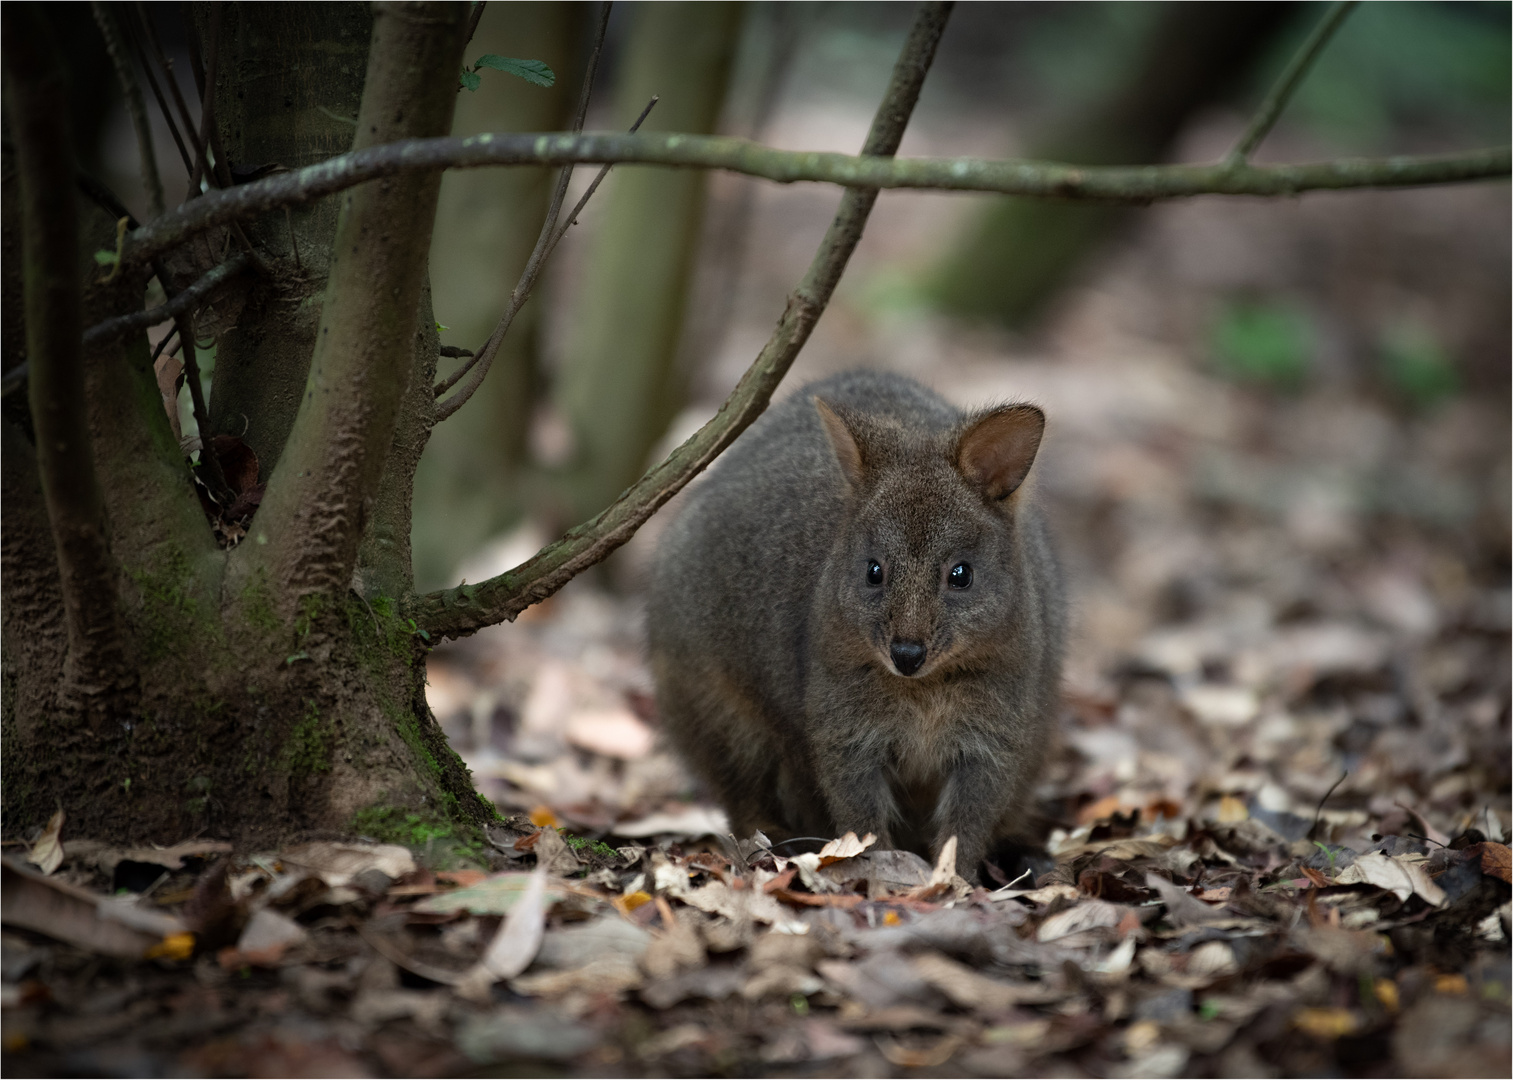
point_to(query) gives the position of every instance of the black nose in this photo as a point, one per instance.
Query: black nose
(907, 656)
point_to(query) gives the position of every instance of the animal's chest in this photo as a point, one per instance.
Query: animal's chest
(925, 736)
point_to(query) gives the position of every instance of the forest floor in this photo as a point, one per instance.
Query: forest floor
(1275, 827)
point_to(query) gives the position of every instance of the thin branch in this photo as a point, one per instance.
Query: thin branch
(186, 301)
(157, 92)
(166, 65)
(1282, 91)
(96, 679)
(136, 107)
(1035, 179)
(468, 608)
(210, 462)
(478, 367)
(207, 100)
(485, 356)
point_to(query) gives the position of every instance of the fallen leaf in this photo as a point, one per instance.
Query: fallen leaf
(692, 822)
(47, 852)
(1326, 1023)
(846, 847)
(1087, 915)
(169, 370)
(516, 943)
(95, 923)
(971, 990)
(495, 895)
(1398, 876)
(1494, 859)
(337, 864)
(616, 733)
(553, 854)
(266, 937)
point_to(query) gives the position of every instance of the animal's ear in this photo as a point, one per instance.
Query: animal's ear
(996, 450)
(848, 452)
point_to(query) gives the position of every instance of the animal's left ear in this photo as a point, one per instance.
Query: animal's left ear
(996, 450)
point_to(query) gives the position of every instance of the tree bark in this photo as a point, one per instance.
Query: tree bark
(320, 494)
(96, 681)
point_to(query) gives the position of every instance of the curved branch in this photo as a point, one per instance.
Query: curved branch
(1132, 183)
(185, 301)
(1281, 93)
(468, 608)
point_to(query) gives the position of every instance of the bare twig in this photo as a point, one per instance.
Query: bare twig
(478, 367)
(468, 608)
(485, 356)
(1319, 813)
(179, 304)
(168, 338)
(166, 66)
(210, 462)
(1280, 93)
(1034, 179)
(207, 100)
(157, 92)
(136, 107)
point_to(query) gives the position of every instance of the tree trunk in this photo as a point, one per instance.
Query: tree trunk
(619, 386)
(270, 696)
(1017, 253)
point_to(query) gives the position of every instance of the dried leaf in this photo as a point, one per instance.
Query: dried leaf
(1087, 915)
(515, 945)
(1397, 875)
(337, 864)
(846, 847)
(495, 895)
(68, 913)
(47, 853)
(1494, 859)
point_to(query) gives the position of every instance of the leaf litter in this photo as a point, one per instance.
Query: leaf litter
(1275, 834)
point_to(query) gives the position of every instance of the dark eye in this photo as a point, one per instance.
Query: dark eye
(874, 573)
(960, 576)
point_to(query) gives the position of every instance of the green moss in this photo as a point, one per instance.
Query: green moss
(169, 616)
(311, 608)
(308, 748)
(446, 843)
(257, 603)
(580, 843)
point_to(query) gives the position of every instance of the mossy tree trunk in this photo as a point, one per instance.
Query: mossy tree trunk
(157, 684)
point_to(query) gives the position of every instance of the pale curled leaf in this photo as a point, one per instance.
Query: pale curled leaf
(1401, 877)
(846, 847)
(47, 852)
(515, 945)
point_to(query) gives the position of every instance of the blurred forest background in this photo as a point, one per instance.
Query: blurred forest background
(1395, 303)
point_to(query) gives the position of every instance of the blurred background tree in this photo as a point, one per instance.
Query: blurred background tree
(592, 375)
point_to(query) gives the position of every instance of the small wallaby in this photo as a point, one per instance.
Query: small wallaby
(856, 622)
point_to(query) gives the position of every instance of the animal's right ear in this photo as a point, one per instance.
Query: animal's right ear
(996, 451)
(848, 451)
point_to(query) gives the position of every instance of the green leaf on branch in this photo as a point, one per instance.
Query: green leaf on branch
(534, 72)
(470, 79)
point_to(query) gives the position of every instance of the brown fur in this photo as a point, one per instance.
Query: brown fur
(777, 663)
